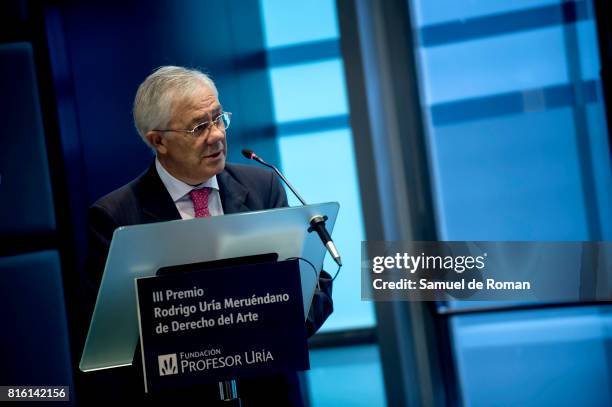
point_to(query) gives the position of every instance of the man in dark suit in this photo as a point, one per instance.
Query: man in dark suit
(178, 114)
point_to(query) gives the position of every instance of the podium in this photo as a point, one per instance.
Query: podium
(140, 251)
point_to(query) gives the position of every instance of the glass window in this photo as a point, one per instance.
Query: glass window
(316, 153)
(307, 91)
(493, 65)
(535, 357)
(440, 11)
(349, 376)
(315, 141)
(292, 22)
(515, 177)
(516, 125)
(519, 151)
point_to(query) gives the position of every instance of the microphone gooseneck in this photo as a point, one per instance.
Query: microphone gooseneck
(317, 222)
(249, 154)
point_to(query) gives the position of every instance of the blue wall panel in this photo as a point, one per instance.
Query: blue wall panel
(35, 333)
(26, 202)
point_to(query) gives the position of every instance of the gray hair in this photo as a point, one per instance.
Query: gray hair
(158, 93)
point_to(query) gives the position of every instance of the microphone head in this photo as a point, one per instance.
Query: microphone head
(248, 154)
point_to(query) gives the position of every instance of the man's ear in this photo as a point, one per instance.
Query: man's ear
(157, 141)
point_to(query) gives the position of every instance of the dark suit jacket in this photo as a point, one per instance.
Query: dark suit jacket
(146, 200)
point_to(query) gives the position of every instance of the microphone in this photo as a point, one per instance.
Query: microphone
(250, 155)
(317, 222)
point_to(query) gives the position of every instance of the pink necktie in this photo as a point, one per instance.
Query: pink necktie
(200, 202)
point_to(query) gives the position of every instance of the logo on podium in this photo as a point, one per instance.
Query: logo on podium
(167, 364)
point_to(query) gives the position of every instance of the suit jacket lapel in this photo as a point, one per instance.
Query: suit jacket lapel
(233, 194)
(156, 202)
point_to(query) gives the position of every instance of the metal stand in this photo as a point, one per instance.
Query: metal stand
(228, 393)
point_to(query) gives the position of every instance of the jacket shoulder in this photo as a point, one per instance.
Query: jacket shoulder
(242, 171)
(265, 189)
(249, 176)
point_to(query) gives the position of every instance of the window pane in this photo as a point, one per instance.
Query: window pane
(302, 92)
(292, 22)
(517, 130)
(499, 64)
(519, 151)
(514, 178)
(349, 376)
(535, 357)
(432, 12)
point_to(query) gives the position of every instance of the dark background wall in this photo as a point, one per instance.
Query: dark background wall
(100, 53)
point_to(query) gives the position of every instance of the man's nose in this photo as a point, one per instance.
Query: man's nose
(215, 135)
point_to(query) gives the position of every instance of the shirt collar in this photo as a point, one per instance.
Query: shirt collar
(178, 188)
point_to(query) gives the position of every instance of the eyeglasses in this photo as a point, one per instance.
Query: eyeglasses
(222, 122)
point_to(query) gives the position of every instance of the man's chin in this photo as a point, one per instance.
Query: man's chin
(220, 167)
(215, 166)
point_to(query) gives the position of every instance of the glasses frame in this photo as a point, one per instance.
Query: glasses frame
(207, 126)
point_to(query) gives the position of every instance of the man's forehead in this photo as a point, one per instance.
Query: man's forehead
(202, 109)
(199, 105)
(202, 99)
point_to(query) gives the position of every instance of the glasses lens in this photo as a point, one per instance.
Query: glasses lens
(223, 121)
(200, 129)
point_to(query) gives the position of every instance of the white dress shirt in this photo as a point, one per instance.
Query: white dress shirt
(179, 191)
